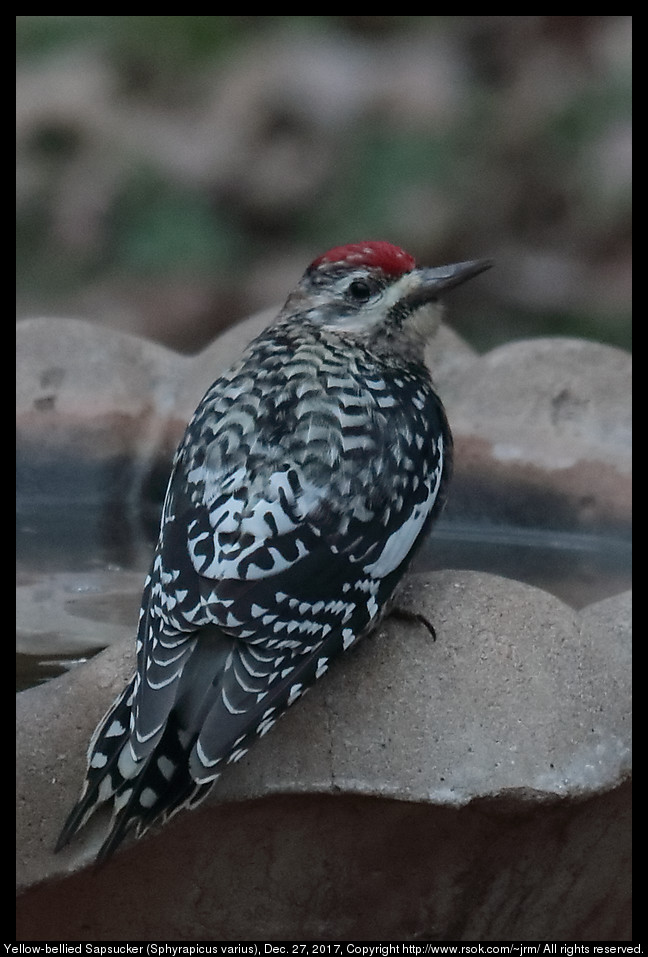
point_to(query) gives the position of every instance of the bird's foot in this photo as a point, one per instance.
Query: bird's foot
(404, 614)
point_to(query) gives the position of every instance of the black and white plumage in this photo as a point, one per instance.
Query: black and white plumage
(305, 481)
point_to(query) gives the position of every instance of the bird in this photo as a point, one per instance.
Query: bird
(306, 480)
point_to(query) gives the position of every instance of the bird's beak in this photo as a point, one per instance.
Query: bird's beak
(431, 283)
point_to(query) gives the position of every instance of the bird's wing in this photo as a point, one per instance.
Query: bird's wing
(264, 572)
(297, 580)
(271, 545)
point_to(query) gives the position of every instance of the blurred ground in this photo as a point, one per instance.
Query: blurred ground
(176, 173)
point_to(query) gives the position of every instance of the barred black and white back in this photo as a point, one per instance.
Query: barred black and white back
(306, 479)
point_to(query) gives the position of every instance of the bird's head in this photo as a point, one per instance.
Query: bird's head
(375, 292)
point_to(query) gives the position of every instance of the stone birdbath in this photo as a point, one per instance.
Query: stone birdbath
(476, 788)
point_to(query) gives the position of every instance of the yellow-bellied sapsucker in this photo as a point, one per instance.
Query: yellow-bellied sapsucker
(305, 481)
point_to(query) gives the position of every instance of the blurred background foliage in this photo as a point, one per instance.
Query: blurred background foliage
(176, 173)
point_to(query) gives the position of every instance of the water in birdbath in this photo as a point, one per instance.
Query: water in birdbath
(81, 567)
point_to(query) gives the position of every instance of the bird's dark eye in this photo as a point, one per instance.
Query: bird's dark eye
(360, 290)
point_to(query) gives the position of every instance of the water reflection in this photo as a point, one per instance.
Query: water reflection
(105, 550)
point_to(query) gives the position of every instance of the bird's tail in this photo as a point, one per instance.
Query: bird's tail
(103, 777)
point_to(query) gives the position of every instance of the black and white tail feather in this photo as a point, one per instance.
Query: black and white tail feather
(306, 479)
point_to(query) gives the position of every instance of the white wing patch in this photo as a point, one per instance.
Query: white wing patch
(399, 543)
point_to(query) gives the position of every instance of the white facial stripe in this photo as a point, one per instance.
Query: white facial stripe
(376, 309)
